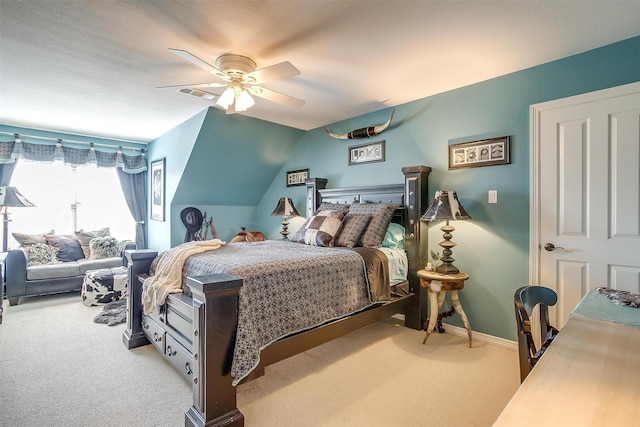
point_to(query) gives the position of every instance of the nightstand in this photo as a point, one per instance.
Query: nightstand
(438, 285)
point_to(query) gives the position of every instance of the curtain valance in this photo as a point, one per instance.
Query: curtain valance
(12, 150)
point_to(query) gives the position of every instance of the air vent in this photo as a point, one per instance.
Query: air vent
(199, 94)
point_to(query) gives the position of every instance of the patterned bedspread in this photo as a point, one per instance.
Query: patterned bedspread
(288, 287)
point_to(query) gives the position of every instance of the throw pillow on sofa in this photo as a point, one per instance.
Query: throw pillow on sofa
(104, 247)
(68, 247)
(31, 239)
(84, 237)
(40, 254)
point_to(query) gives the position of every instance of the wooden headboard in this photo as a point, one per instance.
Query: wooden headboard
(412, 198)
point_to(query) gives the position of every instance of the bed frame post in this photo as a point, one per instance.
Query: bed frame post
(416, 242)
(215, 320)
(138, 262)
(313, 196)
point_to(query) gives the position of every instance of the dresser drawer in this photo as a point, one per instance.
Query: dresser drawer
(154, 333)
(180, 358)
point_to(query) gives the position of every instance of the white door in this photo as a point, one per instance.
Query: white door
(586, 195)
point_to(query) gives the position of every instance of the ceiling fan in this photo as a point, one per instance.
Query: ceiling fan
(238, 74)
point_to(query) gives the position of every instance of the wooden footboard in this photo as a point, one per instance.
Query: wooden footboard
(196, 335)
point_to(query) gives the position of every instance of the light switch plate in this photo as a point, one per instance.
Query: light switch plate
(493, 196)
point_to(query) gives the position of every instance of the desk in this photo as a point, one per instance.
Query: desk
(589, 376)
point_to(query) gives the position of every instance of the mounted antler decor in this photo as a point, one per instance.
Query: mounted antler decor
(363, 132)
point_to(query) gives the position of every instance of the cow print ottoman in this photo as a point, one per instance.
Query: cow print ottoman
(104, 286)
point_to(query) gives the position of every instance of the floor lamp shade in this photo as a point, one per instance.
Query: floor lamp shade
(446, 207)
(285, 209)
(10, 197)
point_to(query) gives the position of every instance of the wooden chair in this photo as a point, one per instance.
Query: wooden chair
(525, 299)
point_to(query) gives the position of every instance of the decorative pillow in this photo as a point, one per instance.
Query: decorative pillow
(40, 254)
(68, 247)
(325, 206)
(353, 225)
(322, 230)
(394, 237)
(84, 237)
(381, 214)
(31, 239)
(104, 247)
(298, 236)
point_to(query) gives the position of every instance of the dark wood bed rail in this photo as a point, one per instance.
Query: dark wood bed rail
(215, 307)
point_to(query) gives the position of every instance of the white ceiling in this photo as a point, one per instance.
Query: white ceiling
(91, 67)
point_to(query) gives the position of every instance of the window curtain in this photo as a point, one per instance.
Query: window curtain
(13, 150)
(6, 171)
(131, 171)
(134, 189)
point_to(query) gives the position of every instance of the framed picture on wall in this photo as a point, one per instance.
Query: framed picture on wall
(157, 189)
(297, 177)
(486, 152)
(366, 153)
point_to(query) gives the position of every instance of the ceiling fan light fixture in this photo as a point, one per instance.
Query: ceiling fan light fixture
(227, 97)
(244, 101)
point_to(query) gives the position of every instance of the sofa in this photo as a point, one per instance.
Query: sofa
(61, 262)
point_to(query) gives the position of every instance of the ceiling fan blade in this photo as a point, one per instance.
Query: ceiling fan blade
(200, 63)
(274, 96)
(279, 71)
(195, 85)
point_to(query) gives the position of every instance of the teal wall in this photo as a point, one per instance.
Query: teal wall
(176, 147)
(221, 164)
(493, 247)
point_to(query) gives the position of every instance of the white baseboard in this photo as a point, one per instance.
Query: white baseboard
(479, 336)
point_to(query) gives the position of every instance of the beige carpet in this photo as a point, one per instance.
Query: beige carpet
(58, 368)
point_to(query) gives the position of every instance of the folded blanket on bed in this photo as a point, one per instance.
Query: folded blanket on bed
(168, 276)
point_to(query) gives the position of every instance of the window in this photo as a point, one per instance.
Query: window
(69, 198)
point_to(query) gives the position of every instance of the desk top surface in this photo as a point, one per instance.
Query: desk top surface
(589, 376)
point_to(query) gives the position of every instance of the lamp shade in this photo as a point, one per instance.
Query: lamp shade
(11, 197)
(227, 98)
(285, 208)
(445, 206)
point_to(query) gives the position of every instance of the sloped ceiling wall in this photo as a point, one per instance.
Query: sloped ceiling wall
(234, 160)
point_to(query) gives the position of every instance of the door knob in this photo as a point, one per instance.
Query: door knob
(550, 247)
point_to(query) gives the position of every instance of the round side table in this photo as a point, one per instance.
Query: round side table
(437, 285)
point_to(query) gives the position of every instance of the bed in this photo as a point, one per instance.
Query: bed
(223, 330)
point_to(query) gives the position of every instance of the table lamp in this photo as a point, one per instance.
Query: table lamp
(10, 197)
(285, 209)
(446, 206)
